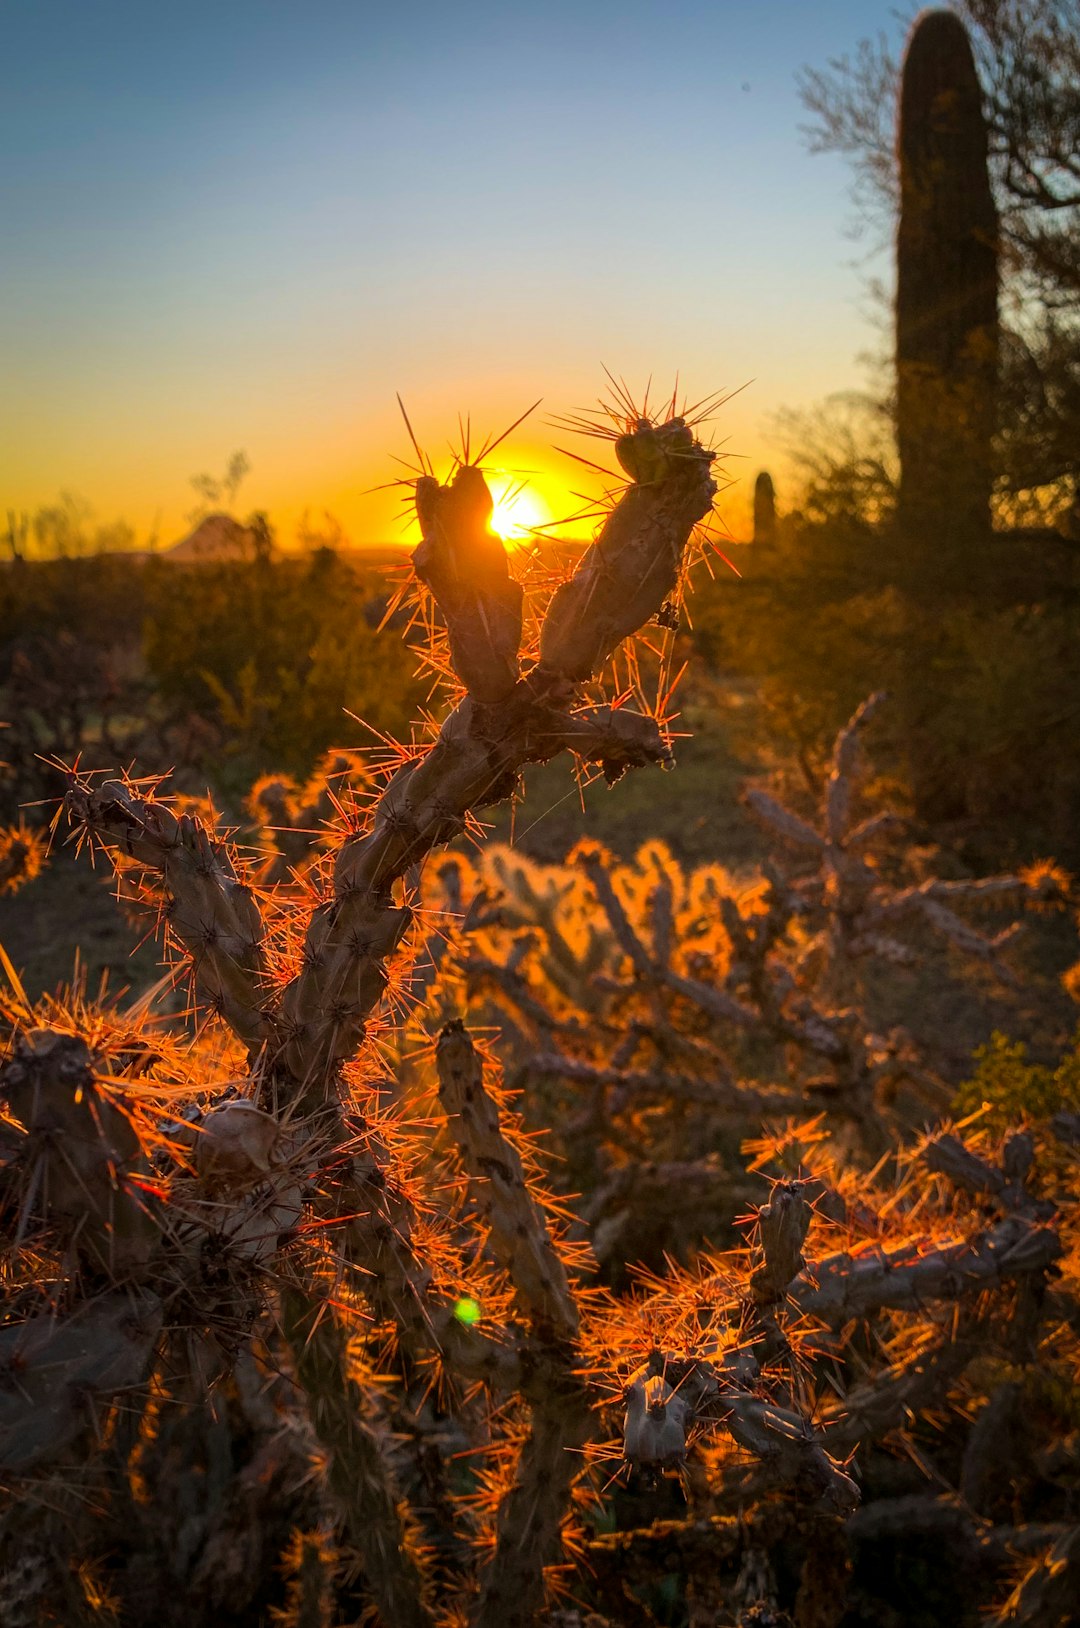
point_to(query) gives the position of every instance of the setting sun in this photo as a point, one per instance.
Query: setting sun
(519, 510)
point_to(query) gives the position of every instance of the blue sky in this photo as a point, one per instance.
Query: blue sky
(248, 225)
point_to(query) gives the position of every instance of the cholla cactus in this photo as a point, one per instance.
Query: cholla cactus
(22, 855)
(274, 1281)
(621, 986)
(296, 823)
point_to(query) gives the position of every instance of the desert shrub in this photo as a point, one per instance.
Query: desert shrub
(223, 669)
(276, 651)
(1010, 1087)
(984, 685)
(97, 598)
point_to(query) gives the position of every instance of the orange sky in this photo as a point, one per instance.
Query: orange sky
(249, 227)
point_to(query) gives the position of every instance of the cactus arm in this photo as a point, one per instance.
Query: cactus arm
(783, 822)
(621, 582)
(634, 564)
(889, 1401)
(843, 774)
(399, 1286)
(904, 1278)
(358, 1472)
(529, 1522)
(211, 911)
(530, 1517)
(517, 1233)
(54, 1369)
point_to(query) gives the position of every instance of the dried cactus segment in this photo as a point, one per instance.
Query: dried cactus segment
(517, 1233)
(236, 1145)
(657, 1421)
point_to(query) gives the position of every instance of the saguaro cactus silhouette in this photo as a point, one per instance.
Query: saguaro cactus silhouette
(946, 303)
(764, 509)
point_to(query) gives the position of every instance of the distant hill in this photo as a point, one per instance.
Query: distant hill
(220, 537)
(217, 537)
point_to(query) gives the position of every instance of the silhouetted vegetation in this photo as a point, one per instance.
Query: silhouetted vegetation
(886, 572)
(221, 669)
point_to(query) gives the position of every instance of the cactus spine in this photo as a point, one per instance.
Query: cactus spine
(946, 304)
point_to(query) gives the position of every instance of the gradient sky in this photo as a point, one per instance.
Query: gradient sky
(247, 225)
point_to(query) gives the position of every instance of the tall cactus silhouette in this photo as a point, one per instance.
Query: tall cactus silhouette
(764, 509)
(946, 303)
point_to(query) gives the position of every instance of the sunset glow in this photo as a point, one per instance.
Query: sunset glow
(519, 510)
(157, 320)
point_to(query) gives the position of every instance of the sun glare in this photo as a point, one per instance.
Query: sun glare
(518, 511)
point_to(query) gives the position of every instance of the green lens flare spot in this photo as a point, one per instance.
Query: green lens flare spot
(467, 1311)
